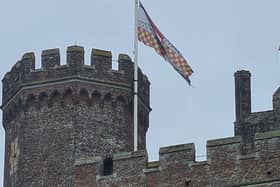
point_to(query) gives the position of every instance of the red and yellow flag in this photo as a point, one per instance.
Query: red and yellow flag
(149, 34)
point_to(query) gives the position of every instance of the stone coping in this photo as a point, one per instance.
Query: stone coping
(50, 52)
(200, 163)
(151, 170)
(267, 135)
(124, 57)
(28, 55)
(153, 164)
(129, 155)
(176, 148)
(100, 52)
(224, 141)
(75, 48)
(107, 177)
(87, 160)
(248, 156)
(257, 183)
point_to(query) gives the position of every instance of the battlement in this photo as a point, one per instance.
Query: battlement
(72, 125)
(24, 74)
(248, 123)
(224, 162)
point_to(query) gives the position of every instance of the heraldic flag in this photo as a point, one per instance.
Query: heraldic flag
(149, 34)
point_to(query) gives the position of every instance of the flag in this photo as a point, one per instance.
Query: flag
(149, 34)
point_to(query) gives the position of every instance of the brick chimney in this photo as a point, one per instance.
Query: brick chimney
(242, 94)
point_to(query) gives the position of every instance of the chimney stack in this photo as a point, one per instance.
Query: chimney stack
(242, 94)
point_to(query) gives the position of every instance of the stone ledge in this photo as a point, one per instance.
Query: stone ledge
(267, 135)
(202, 163)
(176, 148)
(153, 164)
(89, 160)
(63, 66)
(88, 66)
(129, 155)
(37, 70)
(151, 170)
(248, 156)
(224, 141)
(152, 167)
(107, 177)
(267, 182)
(121, 72)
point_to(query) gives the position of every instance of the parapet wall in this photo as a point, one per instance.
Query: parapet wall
(225, 165)
(57, 114)
(23, 73)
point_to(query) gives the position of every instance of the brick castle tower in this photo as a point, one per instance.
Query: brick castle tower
(59, 114)
(71, 126)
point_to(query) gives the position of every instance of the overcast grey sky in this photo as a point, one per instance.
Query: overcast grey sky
(217, 37)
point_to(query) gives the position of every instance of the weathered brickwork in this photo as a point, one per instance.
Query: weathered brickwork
(225, 166)
(72, 125)
(58, 114)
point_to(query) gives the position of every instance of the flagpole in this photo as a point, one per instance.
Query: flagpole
(135, 92)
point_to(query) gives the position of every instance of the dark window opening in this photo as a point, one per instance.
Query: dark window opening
(108, 166)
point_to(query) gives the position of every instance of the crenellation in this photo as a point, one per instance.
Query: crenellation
(221, 151)
(27, 62)
(100, 71)
(176, 154)
(224, 162)
(101, 60)
(249, 123)
(135, 161)
(125, 66)
(13, 79)
(75, 56)
(73, 125)
(50, 58)
(69, 112)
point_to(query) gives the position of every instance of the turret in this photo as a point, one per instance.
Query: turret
(58, 114)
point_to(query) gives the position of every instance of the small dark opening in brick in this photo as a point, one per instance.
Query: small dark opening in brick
(187, 182)
(107, 166)
(269, 173)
